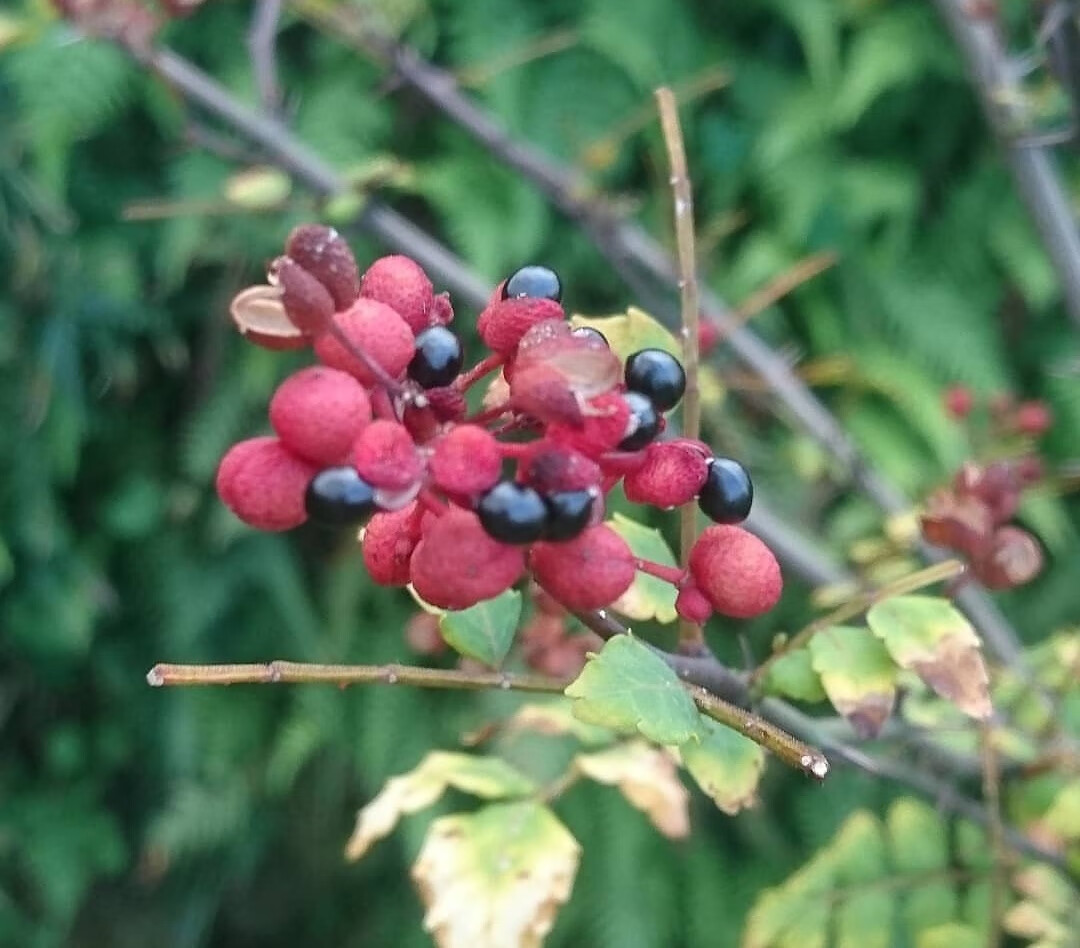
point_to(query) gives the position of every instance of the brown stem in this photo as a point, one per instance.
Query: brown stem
(995, 830)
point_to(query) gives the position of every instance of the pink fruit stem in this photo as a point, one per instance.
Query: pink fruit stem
(381, 376)
(430, 502)
(669, 574)
(486, 366)
(488, 414)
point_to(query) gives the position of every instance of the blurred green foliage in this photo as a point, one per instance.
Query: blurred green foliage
(129, 816)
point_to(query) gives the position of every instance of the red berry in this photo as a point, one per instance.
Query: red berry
(323, 252)
(388, 544)
(457, 565)
(466, 461)
(307, 302)
(377, 330)
(386, 457)
(503, 323)
(401, 284)
(959, 401)
(589, 572)
(735, 571)
(1033, 418)
(550, 468)
(692, 605)
(606, 420)
(264, 485)
(318, 413)
(543, 392)
(671, 476)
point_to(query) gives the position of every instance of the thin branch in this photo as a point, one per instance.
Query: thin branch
(784, 283)
(996, 831)
(1033, 168)
(691, 636)
(262, 46)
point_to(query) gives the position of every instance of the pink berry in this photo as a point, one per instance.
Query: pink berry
(318, 413)
(386, 457)
(400, 283)
(735, 571)
(504, 322)
(1033, 418)
(606, 420)
(375, 329)
(550, 467)
(692, 605)
(466, 461)
(457, 565)
(959, 401)
(672, 475)
(264, 484)
(588, 572)
(388, 544)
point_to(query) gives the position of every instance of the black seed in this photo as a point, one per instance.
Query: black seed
(659, 375)
(644, 422)
(339, 497)
(587, 332)
(533, 282)
(512, 513)
(569, 512)
(438, 358)
(727, 494)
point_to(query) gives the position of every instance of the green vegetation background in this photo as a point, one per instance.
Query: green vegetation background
(134, 817)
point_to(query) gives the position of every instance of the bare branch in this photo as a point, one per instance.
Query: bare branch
(262, 46)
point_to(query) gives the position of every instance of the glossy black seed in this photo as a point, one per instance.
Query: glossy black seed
(569, 512)
(644, 422)
(438, 358)
(587, 332)
(659, 375)
(535, 283)
(339, 497)
(727, 493)
(512, 513)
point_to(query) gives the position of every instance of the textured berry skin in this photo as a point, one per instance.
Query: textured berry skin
(318, 413)
(307, 302)
(959, 401)
(339, 497)
(658, 375)
(607, 417)
(386, 457)
(1033, 418)
(377, 330)
(438, 358)
(502, 324)
(533, 282)
(457, 565)
(466, 461)
(692, 605)
(264, 485)
(388, 544)
(643, 423)
(551, 467)
(401, 284)
(735, 571)
(569, 513)
(672, 475)
(513, 513)
(727, 494)
(323, 252)
(589, 572)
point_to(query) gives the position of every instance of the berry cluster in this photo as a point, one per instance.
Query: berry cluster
(463, 506)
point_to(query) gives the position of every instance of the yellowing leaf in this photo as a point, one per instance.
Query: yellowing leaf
(648, 597)
(487, 777)
(858, 676)
(258, 189)
(484, 631)
(726, 765)
(951, 935)
(628, 688)
(1063, 817)
(1032, 921)
(555, 718)
(495, 878)
(1047, 887)
(648, 778)
(930, 637)
(630, 331)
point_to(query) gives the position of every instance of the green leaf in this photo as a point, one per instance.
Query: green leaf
(630, 331)
(1063, 817)
(487, 777)
(628, 688)
(793, 675)
(495, 877)
(919, 842)
(648, 597)
(484, 631)
(726, 765)
(858, 676)
(951, 935)
(930, 637)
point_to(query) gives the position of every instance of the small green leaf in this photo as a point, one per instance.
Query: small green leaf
(919, 842)
(929, 636)
(484, 631)
(726, 765)
(1063, 817)
(487, 777)
(495, 877)
(648, 597)
(951, 935)
(793, 676)
(628, 688)
(630, 331)
(258, 189)
(858, 676)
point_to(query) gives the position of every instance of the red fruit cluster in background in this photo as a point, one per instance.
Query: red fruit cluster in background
(429, 481)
